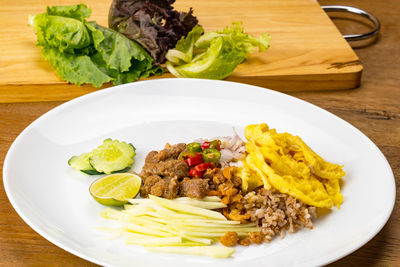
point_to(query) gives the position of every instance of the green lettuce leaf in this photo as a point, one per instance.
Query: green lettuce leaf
(122, 59)
(117, 50)
(75, 69)
(213, 55)
(137, 70)
(84, 52)
(132, 74)
(79, 12)
(63, 33)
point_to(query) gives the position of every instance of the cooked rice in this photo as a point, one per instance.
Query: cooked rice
(277, 213)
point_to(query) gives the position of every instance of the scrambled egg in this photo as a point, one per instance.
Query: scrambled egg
(284, 162)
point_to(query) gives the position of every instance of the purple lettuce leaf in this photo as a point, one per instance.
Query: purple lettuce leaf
(152, 23)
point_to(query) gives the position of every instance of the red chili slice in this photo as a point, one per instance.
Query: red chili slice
(193, 161)
(203, 166)
(205, 145)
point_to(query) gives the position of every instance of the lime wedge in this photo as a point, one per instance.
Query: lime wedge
(115, 189)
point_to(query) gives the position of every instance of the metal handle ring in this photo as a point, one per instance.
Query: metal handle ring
(357, 11)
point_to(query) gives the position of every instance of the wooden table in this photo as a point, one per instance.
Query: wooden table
(374, 108)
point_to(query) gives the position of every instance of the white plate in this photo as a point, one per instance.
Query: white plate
(54, 199)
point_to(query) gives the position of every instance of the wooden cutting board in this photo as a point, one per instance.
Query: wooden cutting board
(307, 51)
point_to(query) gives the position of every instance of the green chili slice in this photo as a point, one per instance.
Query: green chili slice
(211, 155)
(216, 144)
(194, 147)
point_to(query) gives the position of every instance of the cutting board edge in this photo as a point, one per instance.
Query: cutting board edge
(304, 82)
(61, 91)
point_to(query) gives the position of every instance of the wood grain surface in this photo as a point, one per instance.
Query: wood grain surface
(374, 108)
(307, 51)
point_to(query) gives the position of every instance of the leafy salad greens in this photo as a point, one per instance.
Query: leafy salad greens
(153, 23)
(213, 55)
(85, 52)
(142, 35)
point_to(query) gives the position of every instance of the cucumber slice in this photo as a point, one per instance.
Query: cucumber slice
(81, 163)
(112, 156)
(92, 172)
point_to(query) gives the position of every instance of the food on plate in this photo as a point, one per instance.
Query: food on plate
(225, 189)
(82, 163)
(213, 55)
(110, 157)
(153, 24)
(176, 171)
(85, 52)
(284, 162)
(276, 213)
(161, 172)
(115, 189)
(178, 223)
